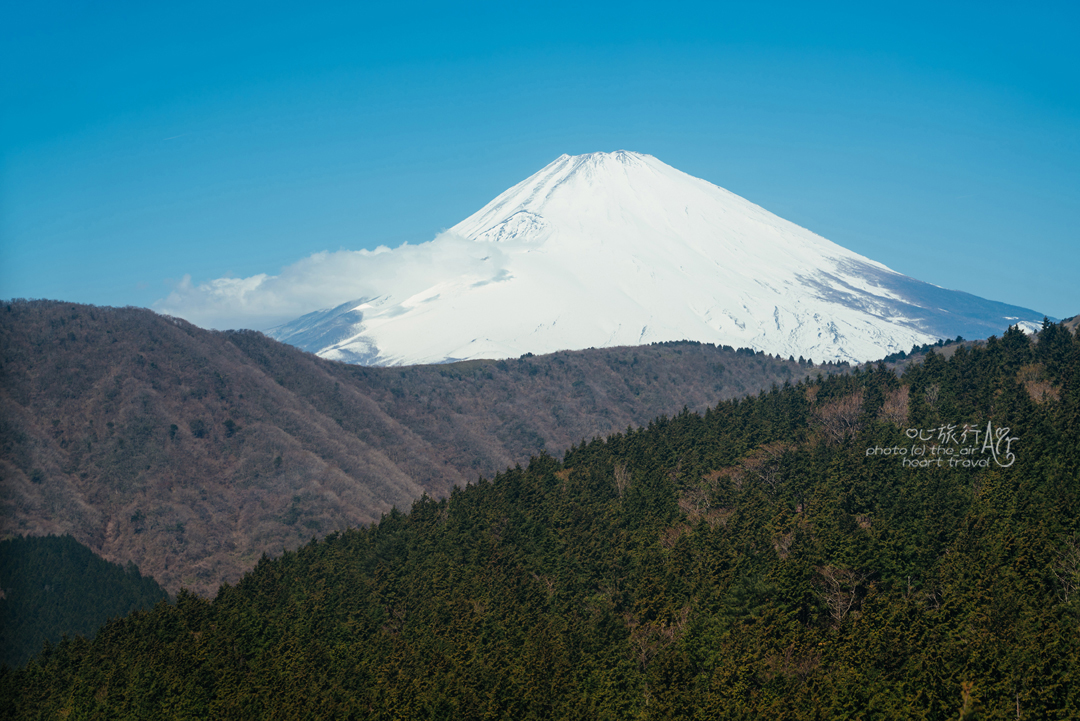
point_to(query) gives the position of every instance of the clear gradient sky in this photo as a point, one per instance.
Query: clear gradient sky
(142, 142)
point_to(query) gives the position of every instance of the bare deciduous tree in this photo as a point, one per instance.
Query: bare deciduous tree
(895, 407)
(764, 464)
(1066, 569)
(782, 544)
(622, 478)
(839, 589)
(840, 418)
(933, 391)
(1032, 377)
(649, 638)
(791, 664)
(694, 502)
(670, 536)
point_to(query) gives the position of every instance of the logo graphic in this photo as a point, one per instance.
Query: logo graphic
(952, 446)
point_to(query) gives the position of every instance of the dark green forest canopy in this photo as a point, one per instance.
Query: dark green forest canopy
(54, 586)
(779, 556)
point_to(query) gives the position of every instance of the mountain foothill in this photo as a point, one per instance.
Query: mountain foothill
(193, 453)
(853, 545)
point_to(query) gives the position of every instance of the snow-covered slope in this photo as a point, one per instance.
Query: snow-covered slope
(618, 248)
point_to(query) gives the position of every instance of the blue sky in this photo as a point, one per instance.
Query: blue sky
(141, 144)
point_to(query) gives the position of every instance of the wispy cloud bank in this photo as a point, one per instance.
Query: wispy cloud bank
(326, 279)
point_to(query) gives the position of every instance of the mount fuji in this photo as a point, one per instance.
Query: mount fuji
(611, 249)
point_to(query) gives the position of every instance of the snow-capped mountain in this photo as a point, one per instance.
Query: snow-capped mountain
(618, 248)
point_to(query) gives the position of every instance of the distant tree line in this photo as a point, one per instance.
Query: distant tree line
(917, 349)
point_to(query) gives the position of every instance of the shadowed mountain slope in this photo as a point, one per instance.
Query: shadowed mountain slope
(53, 586)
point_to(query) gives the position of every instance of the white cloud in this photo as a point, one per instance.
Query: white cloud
(326, 279)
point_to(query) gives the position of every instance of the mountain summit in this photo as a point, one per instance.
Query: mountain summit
(619, 248)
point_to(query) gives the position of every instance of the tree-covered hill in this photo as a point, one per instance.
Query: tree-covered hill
(860, 546)
(54, 586)
(191, 453)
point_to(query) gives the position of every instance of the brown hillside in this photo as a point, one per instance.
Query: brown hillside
(1072, 324)
(193, 452)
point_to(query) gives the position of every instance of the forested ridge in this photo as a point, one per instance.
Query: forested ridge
(765, 559)
(190, 452)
